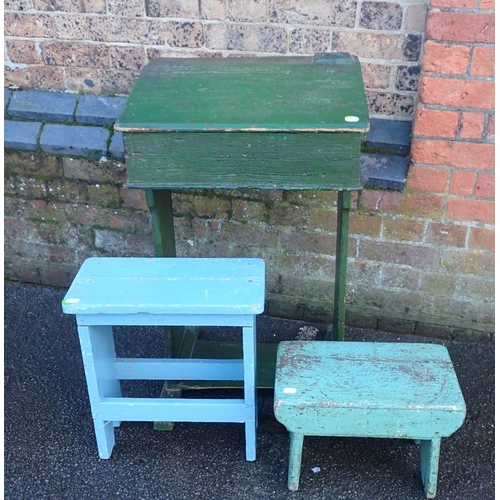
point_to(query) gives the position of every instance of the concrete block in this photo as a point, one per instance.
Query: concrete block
(7, 94)
(99, 110)
(74, 140)
(21, 135)
(383, 171)
(37, 105)
(116, 147)
(389, 135)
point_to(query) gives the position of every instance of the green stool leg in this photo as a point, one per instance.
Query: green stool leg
(294, 461)
(429, 454)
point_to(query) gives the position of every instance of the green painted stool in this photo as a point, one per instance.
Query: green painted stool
(363, 389)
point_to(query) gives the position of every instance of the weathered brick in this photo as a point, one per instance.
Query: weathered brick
(27, 187)
(22, 270)
(134, 198)
(295, 241)
(361, 273)
(399, 253)
(461, 27)
(445, 58)
(23, 51)
(453, 153)
(67, 191)
(387, 103)
(254, 11)
(321, 218)
(28, 25)
(485, 186)
(75, 27)
(87, 6)
(126, 8)
(381, 16)
(18, 5)
(101, 81)
(438, 283)
(309, 41)
(481, 238)
(434, 180)
(246, 37)
(435, 122)
(403, 229)
(490, 129)
(452, 235)
(460, 261)
(376, 76)
(483, 61)
(365, 224)
(75, 54)
(393, 276)
(462, 183)
(476, 288)
(463, 209)
(92, 171)
(455, 92)
(57, 277)
(321, 12)
(415, 17)
(407, 77)
(130, 30)
(299, 287)
(184, 34)
(395, 325)
(213, 9)
(212, 208)
(287, 215)
(104, 195)
(128, 58)
(29, 164)
(39, 77)
(472, 125)
(172, 8)
(248, 211)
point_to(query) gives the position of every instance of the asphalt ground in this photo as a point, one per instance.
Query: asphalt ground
(50, 451)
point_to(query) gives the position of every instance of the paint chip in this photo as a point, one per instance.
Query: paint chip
(289, 390)
(71, 301)
(351, 118)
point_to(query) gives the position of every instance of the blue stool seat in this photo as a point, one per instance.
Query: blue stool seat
(114, 291)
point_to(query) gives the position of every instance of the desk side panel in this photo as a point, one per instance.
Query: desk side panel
(243, 160)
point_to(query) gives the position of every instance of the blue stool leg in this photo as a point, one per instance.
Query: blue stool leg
(98, 354)
(249, 380)
(429, 455)
(295, 460)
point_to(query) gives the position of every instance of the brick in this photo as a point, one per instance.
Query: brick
(457, 92)
(100, 81)
(248, 211)
(98, 110)
(461, 27)
(462, 183)
(75, 27)
(483, 61)
(433, 180)
(75, 54)
(409, 254)
(213, 208)
(396, 325)
(213, 9)
(21, 271)
(459, 261)
(463, 209)
(87, 6)
(481, 238)
(459, 4)
(453, 153)
(376, 76)
(22, 51)
(477, 288)
(309, 41)
(487, 4)
(320, 12)
(407, 78)
(379, 46)
(128, 8)
(130, 30)
(91, 171)
(104, 195)
(18, 5)
(74, 140)
(435, 122)
(323, 219)
(403, 229)
(37, 105)
(21, 135)
(415, 18)
(472, 125)
(490, 129)
(128, 58)
(394, 276)
(183, 34)
(172, 8)
(134, 198)
(438, 283)
(254, 11)
(17, 163)
(381, 16)
(445, 58)
(296, 241)
(62, 190)
(390, 103)
(383, 171)
(28, 25)
(451, 235)
(485, 186)
(365, 224)
(245, 37)
(41, 77)
(116, 146)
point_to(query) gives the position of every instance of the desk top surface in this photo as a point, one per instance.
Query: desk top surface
(321, 93)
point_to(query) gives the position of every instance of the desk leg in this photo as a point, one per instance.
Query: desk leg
(343, 207)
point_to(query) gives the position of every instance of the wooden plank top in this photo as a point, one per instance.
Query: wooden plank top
(323, 92)
(367, 376)
(112, 285)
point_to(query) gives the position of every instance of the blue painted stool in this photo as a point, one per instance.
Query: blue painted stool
(364, 389)
(110, 292)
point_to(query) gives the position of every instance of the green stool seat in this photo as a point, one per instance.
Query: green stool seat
(362, 389)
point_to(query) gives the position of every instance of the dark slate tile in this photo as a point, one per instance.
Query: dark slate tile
(38, 105)
(383, 171)
(98, 110)
(74, 140)
(389, 135)
(21, 135)
(116, 147)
